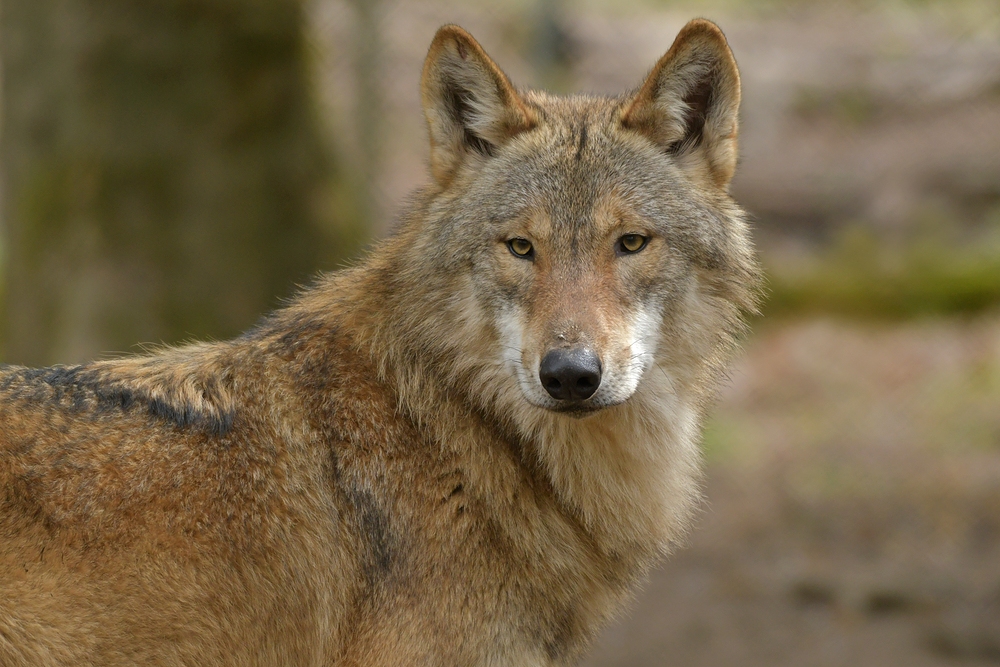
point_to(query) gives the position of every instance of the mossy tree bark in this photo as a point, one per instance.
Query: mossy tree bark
(163, 174)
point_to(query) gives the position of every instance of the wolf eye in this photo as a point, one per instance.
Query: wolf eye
(521, 248)
(630, 244)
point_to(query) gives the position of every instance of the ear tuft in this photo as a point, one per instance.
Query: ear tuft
(689, 103)
(469, 103)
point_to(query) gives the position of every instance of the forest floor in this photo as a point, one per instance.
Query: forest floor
(853, 507)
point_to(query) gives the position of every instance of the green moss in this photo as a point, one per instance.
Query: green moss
(859, 276)
(850, 106)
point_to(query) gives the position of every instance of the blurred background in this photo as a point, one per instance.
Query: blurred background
(172, 169)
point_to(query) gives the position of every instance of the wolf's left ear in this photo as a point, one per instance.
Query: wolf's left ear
(688, 105)
(469, 103)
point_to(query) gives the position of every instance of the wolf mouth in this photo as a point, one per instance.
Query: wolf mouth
(579, 411)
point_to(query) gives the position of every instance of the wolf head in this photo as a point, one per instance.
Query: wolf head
(597, 233)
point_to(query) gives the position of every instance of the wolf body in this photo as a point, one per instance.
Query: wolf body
(466, 450)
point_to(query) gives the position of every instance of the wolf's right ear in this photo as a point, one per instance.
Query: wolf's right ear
(689, 102)
(469, 103)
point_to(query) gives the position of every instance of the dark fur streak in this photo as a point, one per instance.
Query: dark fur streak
(180, 416)
(82, 385)
(583, 142)
(186, 415)
(60, 376)
(111, 397)
(374, 526)
(222, 423)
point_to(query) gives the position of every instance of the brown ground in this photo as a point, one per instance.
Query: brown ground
(853, 508)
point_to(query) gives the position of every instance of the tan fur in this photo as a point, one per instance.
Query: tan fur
(374, 475)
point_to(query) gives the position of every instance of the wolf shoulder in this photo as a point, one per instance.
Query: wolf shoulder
(170, 500)
(201, 446)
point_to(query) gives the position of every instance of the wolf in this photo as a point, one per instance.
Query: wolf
(467, 449)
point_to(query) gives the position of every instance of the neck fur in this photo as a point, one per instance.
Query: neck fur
(629, 474)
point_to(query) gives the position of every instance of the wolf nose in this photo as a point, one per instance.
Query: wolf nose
(570, 374)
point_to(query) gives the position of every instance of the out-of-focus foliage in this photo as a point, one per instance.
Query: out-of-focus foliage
(858, 276)
(163, 171)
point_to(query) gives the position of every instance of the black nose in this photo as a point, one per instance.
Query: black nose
(570, 374)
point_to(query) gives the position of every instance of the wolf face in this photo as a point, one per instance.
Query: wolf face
(600, 225)
(579, 289)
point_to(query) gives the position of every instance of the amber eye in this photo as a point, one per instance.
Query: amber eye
(521, 248)
(631, 243)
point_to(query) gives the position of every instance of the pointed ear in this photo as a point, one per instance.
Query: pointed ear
(469, 103)
(688, 105)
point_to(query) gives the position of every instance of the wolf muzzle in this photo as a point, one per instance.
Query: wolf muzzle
(570, 375)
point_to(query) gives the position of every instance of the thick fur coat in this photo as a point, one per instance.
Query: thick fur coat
(375, 475)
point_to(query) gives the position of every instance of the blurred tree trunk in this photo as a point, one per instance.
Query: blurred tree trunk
(369, 110)
(553, 48)
(163, 175)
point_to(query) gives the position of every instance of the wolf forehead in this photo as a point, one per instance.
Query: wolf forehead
(581, 171)
(575, 154)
